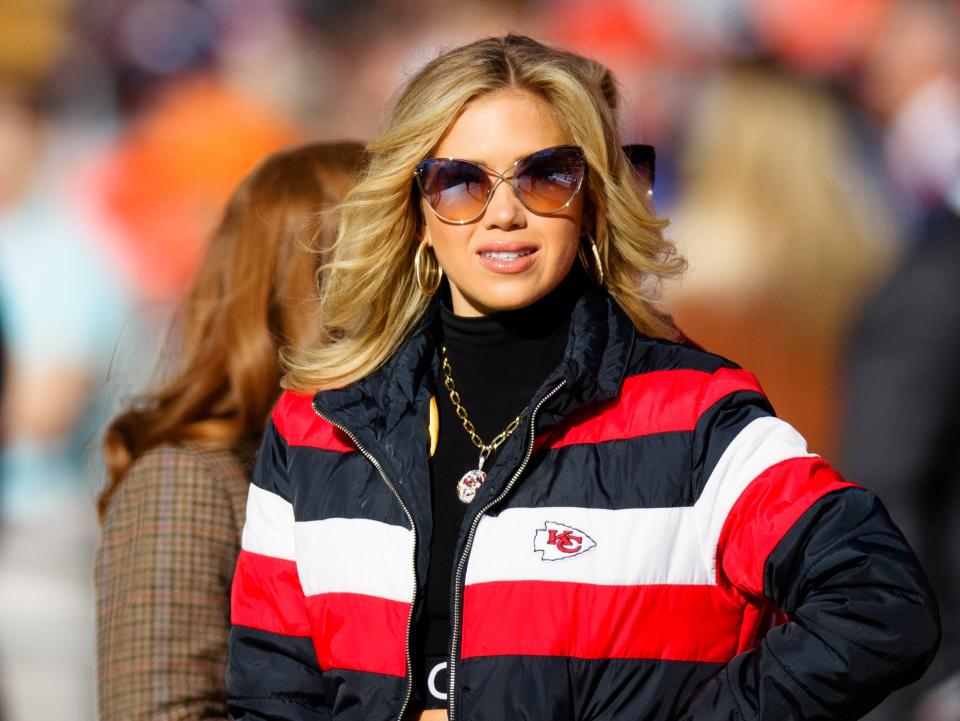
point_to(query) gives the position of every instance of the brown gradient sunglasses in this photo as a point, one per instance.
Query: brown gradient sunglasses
(545, 182)
(459, 191)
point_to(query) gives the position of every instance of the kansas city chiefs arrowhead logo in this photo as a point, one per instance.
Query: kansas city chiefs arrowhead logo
(557, 541)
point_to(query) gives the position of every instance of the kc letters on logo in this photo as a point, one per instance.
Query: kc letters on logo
(557, 541)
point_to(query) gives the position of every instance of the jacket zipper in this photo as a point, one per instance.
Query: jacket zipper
(455, 630)
(413, 558)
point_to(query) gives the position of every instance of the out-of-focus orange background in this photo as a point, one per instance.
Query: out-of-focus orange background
(804, 147)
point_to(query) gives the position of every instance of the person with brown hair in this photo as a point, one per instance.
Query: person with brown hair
(179, 459)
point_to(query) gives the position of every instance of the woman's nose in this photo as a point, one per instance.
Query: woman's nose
(505, 209)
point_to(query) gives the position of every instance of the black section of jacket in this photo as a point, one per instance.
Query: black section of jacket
(861, 619)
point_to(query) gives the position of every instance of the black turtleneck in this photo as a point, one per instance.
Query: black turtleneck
(498, 363)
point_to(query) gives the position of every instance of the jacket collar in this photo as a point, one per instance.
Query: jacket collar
(594, 364)
(595, 361)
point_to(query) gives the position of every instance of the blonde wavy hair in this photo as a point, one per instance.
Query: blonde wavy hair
(370, 300)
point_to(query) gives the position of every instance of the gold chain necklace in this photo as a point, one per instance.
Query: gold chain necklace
(471, 481)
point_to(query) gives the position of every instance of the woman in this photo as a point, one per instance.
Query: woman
(179, 460)
(520, 499)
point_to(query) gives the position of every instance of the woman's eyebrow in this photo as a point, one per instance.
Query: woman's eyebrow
(516, 159)
(457, 157)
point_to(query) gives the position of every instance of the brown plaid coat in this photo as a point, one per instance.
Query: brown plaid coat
(163, 572)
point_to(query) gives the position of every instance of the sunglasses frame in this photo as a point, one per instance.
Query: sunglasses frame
(502, 178)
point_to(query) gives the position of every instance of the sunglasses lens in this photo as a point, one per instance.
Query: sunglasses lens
(546, 181)
(455, 189)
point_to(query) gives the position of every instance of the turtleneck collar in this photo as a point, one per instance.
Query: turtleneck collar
(499, 361)
(522, 329)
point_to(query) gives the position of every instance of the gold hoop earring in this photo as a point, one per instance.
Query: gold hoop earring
(431, 284)
(597, 269)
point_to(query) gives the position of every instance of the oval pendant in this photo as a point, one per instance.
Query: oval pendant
(468, 486)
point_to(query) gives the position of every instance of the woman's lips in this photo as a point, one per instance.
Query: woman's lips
(507, 261)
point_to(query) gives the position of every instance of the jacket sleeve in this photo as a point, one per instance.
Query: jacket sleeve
(272, 672)
(861, 618)
(163, 571)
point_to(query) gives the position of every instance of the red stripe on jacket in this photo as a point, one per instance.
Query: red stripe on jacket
(580, 620)
(765, 511)
(349, 630)
(299, 424)
(266, 595)
(655, 402)
(359, 633)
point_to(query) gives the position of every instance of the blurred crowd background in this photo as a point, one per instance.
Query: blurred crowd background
(808, 157)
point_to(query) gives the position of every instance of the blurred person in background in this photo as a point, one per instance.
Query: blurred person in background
(156, 185)
(179, 459)
(163, 181)
(64, 303)
(784, 232)
(902, 415)
(89, 250)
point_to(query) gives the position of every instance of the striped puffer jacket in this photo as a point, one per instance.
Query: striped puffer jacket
(652, 544)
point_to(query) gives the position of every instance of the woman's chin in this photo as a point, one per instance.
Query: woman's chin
(498, 300)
